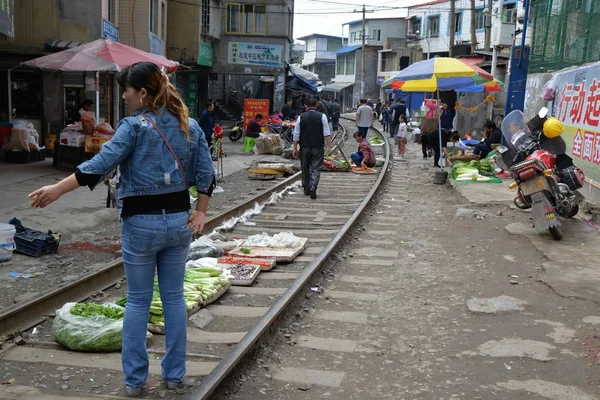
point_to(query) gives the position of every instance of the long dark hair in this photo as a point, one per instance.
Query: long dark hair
(147, 75)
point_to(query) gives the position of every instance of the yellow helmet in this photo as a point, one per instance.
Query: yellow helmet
(553, 128)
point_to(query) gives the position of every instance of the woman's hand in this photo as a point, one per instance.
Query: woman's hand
(196, 221)
(45, 196)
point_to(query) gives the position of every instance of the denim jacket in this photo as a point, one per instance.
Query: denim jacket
(146, 165)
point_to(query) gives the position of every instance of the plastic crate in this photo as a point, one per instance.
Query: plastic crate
(25, 157)
(36, 243)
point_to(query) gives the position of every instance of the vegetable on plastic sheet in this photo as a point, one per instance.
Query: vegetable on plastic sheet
(282, 239)
(204, 247)
(95, 333)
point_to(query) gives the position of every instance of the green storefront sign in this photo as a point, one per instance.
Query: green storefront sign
(205, 55)
(191, 95)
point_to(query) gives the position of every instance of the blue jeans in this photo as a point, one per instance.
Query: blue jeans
(357, 159)
(161, 242)
(482, 150)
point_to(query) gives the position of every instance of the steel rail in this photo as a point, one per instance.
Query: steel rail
(212, 382)
(26, 314)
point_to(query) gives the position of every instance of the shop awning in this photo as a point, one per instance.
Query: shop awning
(99, 55)
(58, 45)
(337, 86)
(347, 49)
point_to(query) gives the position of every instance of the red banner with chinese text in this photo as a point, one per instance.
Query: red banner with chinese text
(577, 106)
(253, 107)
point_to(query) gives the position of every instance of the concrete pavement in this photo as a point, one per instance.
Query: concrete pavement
(571, 267)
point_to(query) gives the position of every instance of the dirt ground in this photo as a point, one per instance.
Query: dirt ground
(414, 310)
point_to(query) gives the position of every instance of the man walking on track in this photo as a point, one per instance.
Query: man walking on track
(364, 118)
(311, 131)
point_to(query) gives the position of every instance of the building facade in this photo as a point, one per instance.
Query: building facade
(49, 100)
(319, 55)
(348, 84)
(429, 25)
(394, 57)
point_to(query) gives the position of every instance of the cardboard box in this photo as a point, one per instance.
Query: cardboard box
(94, 144)
(72, 139)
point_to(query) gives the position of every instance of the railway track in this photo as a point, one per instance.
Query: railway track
(242, 317)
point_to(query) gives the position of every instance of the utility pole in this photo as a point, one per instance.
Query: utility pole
(488, 25)
(497, 20)
(362, 56)
(452, 27)
(473, 28)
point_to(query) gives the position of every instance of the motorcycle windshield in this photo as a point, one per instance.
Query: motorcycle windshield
(514, 129)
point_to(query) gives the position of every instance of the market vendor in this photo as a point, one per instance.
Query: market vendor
(86, 106)
(434, 142)
(364, 157)
(254, 127)
(493, 136)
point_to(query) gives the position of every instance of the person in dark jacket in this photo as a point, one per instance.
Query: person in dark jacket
(335, 114)
(288, 111)
(311, 132)
(207, 122)
(493, 135)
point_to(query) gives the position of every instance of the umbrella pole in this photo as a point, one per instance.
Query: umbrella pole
(441, 160)
(108, 98)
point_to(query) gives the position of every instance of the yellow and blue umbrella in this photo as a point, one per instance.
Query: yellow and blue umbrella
(440, 73)
(492, 86)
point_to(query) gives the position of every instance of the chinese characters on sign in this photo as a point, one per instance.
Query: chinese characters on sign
(253, 107)
(255, 54)
(577, 106)
(7, 28)
(205, 54)
(109, 31)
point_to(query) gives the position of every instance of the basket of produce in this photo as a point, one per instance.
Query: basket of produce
(241, 274)
(336, 164)
(265, 264)
(376, 141)
(89, 327)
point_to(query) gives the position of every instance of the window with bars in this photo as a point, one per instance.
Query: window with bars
(480, 19)
(248, 19)
(434, 26)
(415, 26)
(205, 17)
(341, 65)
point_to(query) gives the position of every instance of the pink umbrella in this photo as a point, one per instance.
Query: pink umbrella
(99, 55)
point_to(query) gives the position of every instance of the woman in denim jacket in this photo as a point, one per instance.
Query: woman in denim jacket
(157, 223)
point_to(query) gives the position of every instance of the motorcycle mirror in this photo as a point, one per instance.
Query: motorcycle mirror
(543, 112)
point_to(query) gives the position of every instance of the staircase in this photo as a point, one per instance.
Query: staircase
(228, 103)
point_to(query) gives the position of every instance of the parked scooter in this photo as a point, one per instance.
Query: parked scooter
(237, 131)
(546, 181)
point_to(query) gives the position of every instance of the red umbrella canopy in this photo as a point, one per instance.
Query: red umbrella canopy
(99, 55)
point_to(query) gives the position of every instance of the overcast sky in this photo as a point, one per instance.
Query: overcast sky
(327, 16)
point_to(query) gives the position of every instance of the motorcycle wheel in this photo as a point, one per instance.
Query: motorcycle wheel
(234, 136)
(574, 211)
(556, 232)
(520, 205)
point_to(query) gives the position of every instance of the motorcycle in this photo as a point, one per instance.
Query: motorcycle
(237, 131)
(546, 183)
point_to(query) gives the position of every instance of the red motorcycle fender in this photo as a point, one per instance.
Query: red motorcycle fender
(543, 213)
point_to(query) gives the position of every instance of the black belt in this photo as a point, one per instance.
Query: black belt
(166, 211)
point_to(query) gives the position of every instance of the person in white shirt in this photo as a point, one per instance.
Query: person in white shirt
(402, 128)
(364, 118)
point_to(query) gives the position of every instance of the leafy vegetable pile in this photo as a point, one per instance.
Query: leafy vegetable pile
(89, 327)
(483, 167)
(193, 192)
(334, 163)
(376, 140)
(200, 286)
(92, 309)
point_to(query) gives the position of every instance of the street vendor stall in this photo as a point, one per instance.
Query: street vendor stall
(81, 140)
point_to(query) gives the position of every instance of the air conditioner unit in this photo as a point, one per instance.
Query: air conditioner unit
(503, 34)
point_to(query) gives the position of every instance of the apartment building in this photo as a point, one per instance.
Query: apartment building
(429, 25)
(319, 55)
(347, 85)
(236, 49)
